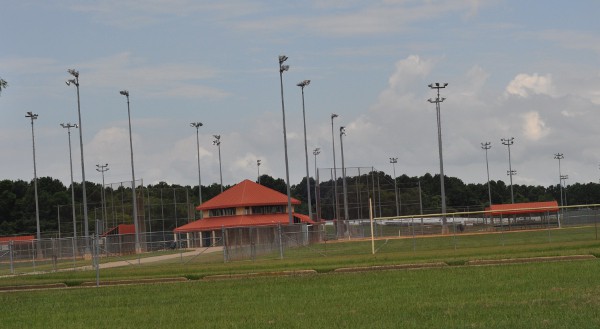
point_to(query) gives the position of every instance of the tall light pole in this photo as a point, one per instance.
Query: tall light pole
(101, 169)
(316, 152)
(258, 171)
(282, 68)
(86, 229)
(198, 125)
(437, 102)
(344, 187)
(302, 85)
(68, 126)
(335, 203)
(393, 161)
(564, 178)
(508, 142)
(135, 216)
(560, 156)
(486, 146)
(217, 142)
(34, 116)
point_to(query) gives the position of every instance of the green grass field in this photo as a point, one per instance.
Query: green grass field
(533, 295)
(541, 295)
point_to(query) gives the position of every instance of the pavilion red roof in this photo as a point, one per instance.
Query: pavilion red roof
(523, 208)
(21, 238)
(216, 223)
(246, 193)
(121, 229)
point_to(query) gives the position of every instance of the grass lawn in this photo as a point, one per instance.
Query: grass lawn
(535, 295)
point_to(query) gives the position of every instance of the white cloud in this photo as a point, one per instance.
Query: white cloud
(533, 126)
(167, 79)
(524, 84)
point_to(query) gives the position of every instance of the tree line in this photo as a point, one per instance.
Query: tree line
(17, 203)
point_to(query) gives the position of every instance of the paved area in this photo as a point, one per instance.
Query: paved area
(147, 260)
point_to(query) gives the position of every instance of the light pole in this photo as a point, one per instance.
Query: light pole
(437, 102)
(217, 142)
(86, 229)
(34, 116)
(198, 125)
(486, 146)
(258, 171)
(302, 85)
(282, 68)
(68, 126)
(345, 189)
(335, 203)
(560, 156)
(508, 142)
(135, 217)
(393, 161)
(316, 152)
(101, 169)
(564, 181)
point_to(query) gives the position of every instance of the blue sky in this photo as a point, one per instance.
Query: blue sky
(523, 69)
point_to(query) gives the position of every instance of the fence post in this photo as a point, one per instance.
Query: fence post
(280, 241)
(73, 243)
(33, 249)
(10, 252)
(224, 241)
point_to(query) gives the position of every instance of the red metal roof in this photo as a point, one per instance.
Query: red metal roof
(523, 208)
(246, 193)
(22, 238)
(121, 229)
(216, 223)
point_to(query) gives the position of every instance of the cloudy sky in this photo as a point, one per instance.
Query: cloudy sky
(523, 69)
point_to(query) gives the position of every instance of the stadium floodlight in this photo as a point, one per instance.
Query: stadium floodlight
(560, 156)
(75, 82)
(393, 161)
(217, 142)
(102, 169)
(33, 117)
(198, 125)
(437, 102)
(303, 84)
(135, 216)
(258, 161)
(282, 68)
(316, 152)
(486, 146)
(344, 184)
(68, 126)
(508, 142)
(335, 201)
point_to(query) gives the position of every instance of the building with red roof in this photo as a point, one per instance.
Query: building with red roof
(527, 214)
(244, 205)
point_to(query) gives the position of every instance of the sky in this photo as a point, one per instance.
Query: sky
(523, 69)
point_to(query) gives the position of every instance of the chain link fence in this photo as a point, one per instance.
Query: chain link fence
(394, 234)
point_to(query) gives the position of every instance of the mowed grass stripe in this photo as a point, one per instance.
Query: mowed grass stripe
(538, 295)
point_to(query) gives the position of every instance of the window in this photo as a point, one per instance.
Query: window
(222, 212)
(268, 210)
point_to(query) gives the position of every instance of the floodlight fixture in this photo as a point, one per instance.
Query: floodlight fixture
(303, 83)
